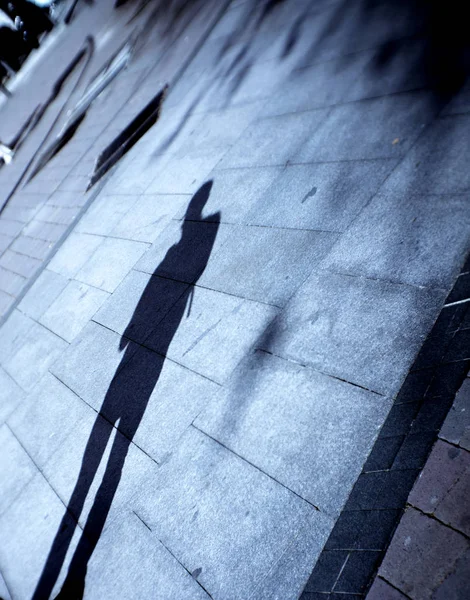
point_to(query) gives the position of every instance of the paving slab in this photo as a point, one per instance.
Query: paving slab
(74, 253)
(38, 352)
(11, 395)
(436, 164)
(216, 332)
(268, 414)
(16, 468)
(130, 560)
(235, 191)
(148, 217)
(265, 264)
(154, 295)
(44, 420)
(419, 242)
(437, 546)
(5, 594)
(186, 260)
(43, 292)
(342, 135)
(72, 309)
(379, 317)
(192, 514)
(319, 196)
(30, 525)
(68, 467)
(111, 262)
(97, 352)
(273, 141)
(160, 397)
(105, 213)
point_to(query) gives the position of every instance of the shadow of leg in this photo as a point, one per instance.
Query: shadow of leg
(94, 451)
(74, 585)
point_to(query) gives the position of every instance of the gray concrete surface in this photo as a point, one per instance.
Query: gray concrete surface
(273, 330)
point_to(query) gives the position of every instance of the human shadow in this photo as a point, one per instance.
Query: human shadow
(170, 287)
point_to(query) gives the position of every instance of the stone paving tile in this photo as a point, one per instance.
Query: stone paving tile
(110, 263)
(10, 228)
(273, 141)
(217, 331)
(51, 232)
(19, 263)
(355, 576)
(129, 560)
(380, 318)
(169, 259)
(44, 420)
(312, 196)
(438, 548)
(362, 529)
(12, 334)
(16, 468)
(264, 264)
(5, 241)
(432, 165)
(30, 525)
(156, 296)
(456, 428)
(74, 253)
(275, 396)
(381, 590)
(148, 217)
(175, 397)
(38, 351)
(326, 569)
(185, 175)
(105, 213)
(382, 490)
(194, 515)
(235, 191)
(72, 309)
(11, 283)
(43, 292)
(97, 352)
(418, 242)
(10, 395)
(64, 466)
(342, 135)
(31, 247)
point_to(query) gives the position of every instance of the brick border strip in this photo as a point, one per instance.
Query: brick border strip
(360, 537)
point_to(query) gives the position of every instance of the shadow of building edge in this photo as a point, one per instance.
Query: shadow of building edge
(126, 399)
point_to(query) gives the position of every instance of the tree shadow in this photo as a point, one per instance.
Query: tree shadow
(128, 395)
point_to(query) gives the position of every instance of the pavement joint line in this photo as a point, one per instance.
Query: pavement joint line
(290, 163)
(321, 271)
(42, 474)
(98, 413)
(394, 587)
(276, 227)
(142, 345)
(458, 301)
(182, 565)
(141, 520)
(340, 572)
(115, 237)
(205, 287)
(311, 368)
(255, 466)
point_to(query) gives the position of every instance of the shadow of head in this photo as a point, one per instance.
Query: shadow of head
(197, 203)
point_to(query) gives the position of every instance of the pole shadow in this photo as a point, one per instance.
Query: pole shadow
(128, 394)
